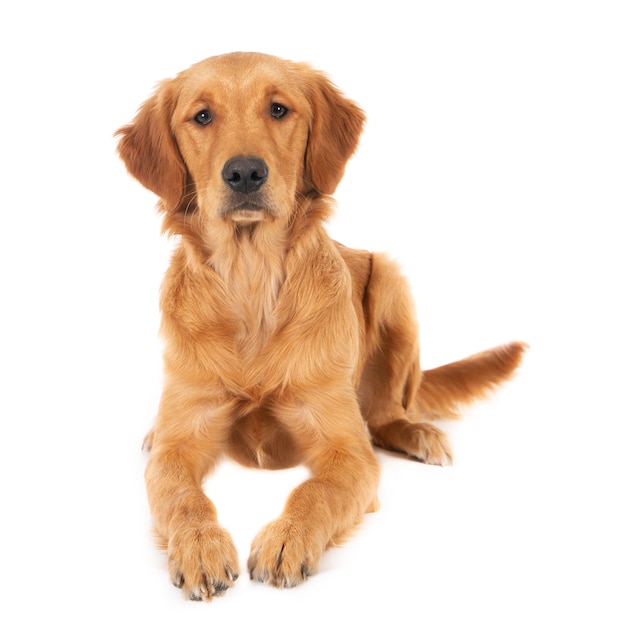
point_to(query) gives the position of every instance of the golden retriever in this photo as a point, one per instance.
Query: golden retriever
(282, 347)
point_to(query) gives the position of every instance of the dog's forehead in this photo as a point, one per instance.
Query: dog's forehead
(229, 75)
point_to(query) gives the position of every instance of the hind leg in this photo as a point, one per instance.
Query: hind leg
(391, 375)
(391, 426)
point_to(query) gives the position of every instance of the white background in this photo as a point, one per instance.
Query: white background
(492, 168)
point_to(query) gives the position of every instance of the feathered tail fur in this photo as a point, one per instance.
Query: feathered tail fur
(443, 390)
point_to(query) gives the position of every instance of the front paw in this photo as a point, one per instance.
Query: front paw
(283, 554)
(202, 561)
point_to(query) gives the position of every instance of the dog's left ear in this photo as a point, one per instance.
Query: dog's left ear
(334, 133)
(148, 148)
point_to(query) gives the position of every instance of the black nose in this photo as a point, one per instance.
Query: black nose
(244, 174)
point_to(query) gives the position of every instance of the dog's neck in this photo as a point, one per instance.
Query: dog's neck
(248, 266)
(250, 261)
(252, 267)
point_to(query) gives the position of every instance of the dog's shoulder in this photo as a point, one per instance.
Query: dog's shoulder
(359, 264)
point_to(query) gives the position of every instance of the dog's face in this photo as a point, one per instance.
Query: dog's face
(242, 133)
(237, 138)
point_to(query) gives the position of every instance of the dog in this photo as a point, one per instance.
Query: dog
(282, 347)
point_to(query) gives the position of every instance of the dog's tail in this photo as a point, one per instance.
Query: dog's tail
(443, 390)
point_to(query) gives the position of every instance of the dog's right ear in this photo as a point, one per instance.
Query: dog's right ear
(148, 148)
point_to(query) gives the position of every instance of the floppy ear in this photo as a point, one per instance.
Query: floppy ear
(148, 148)
(334, 134)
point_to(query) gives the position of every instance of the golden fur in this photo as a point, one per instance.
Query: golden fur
(282, 347)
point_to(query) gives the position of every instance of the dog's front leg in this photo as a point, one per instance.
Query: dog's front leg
(324, 509)
(202, 559)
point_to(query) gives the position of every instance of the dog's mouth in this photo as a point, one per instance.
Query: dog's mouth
(247, 211)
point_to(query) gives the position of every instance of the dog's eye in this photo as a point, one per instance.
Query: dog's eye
(203, 117)
(278, 110)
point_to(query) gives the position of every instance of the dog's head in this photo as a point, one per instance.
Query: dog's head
(239, 137)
